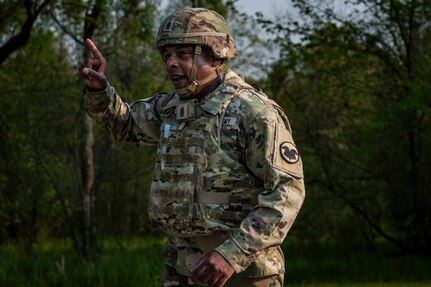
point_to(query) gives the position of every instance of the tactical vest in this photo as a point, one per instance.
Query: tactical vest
(197, 187)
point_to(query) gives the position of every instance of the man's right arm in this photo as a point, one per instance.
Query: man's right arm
(139, 122)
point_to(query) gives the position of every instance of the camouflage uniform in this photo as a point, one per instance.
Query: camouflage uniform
(228, 177)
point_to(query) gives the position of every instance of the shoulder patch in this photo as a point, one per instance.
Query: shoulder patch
(286, 156)
(289, 152)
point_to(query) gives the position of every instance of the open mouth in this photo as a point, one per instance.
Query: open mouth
(179, 80)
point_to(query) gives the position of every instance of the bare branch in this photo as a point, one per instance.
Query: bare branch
(63, 28)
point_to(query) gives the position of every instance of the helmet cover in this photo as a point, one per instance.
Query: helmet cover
(197, 26)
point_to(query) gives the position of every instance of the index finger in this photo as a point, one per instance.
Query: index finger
(93, 49)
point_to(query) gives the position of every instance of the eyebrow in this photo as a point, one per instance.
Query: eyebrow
(163, 50)
(185, 47)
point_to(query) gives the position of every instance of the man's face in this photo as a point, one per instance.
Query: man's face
(179, 62)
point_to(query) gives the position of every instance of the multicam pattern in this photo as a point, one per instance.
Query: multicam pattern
(197, 26)
(220, 182)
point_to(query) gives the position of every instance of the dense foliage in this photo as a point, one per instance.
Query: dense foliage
(355, 81)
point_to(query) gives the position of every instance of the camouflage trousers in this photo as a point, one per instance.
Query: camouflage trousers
(172, 278)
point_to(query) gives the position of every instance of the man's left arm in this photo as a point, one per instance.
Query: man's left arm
(273, 157)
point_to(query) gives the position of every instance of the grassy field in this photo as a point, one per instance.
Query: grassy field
(137, 262)
(371, 284)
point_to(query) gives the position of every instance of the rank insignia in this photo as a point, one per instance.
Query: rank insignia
(185, 111)
(289, 152)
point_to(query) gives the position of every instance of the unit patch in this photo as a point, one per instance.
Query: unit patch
(289, 152)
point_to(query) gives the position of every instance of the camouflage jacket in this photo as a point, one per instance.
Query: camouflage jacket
(250, 184)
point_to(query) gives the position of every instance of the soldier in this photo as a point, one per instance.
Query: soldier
(228, 181)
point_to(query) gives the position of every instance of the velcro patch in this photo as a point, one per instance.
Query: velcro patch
(185, 111)
(229, 121)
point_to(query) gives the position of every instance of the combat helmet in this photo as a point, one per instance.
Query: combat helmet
(200, 27)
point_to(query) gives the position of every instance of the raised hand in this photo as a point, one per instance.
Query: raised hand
(94, 69)
(212, 269)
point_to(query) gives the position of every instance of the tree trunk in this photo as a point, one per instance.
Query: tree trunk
(87, 173)
(86, 151)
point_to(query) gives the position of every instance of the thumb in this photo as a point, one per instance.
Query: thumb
(94, 79)
(91, 74)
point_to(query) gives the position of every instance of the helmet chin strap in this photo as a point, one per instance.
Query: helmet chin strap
(188, 92)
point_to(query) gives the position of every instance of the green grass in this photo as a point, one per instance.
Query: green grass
(327, 265)
(368, 268)
(130, 263)
(392, 284)
(137, 262)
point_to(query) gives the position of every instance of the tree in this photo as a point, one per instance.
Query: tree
(12, 11)
(360, 83)
(124, 22)
(56, 162)
(36, 132)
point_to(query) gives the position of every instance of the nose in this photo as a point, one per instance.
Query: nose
(172, 61)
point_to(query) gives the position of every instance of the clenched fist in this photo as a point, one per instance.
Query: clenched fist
(212, 269)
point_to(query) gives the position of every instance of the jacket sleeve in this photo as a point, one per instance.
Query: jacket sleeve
(139, 122)
(271, 156)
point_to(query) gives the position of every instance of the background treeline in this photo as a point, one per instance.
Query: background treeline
(352, 76)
